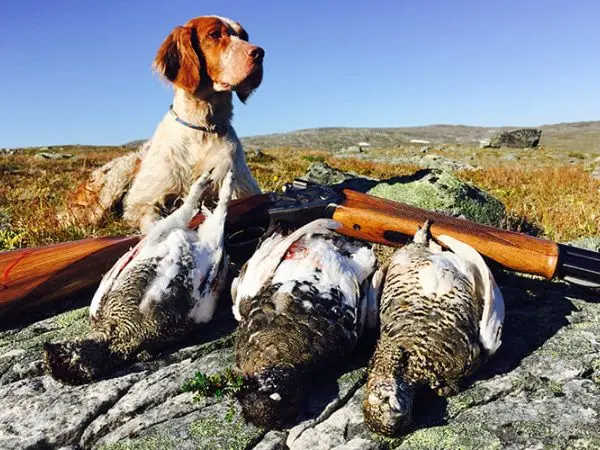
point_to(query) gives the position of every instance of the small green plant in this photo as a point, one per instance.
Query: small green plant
(10, 240)
(216, 385)
(578, 155)
(230, 415)
(314, 158)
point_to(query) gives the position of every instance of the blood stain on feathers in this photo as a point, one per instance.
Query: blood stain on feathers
(154, 295)
(441, 316)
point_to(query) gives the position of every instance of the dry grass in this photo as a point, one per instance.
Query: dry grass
(32, 190)
(563, 202)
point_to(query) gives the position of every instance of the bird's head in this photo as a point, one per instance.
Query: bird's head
(270, 397)
(388, 406)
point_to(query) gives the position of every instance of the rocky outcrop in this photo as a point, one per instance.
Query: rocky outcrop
(542, 390)
(51, 155)
(518, 138)
(428, 161)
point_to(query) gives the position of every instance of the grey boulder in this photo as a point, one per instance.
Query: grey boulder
(518, 138)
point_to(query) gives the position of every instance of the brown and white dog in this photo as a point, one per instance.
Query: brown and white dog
(206, 60)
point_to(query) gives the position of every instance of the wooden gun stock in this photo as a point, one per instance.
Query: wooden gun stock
(34, 276)
(377, 220)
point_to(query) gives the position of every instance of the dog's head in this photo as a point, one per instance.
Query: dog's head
(212, 53)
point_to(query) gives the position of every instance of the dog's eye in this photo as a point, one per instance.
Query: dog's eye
(215, 34)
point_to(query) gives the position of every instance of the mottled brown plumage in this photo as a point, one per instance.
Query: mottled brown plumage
(301, 305)
(155, 295)
(440, 312)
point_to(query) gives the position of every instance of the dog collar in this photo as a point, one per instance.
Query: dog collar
(206, 129)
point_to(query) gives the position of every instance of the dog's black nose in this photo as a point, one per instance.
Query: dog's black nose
(257, 53)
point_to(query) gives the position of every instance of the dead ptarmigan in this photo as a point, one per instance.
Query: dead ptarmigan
(441, 314)
(301, 303)
(155, 294)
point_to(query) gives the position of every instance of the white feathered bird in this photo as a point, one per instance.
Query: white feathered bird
(441, 316)
(155, 294)
(301, 303)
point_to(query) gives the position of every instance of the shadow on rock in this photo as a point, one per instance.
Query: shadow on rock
(335, 384)
(536, 310)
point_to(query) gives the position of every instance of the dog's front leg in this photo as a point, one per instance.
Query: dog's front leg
(148, 192)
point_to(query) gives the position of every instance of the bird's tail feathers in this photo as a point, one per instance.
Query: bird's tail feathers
(374, 296)
(422, 236)
(271, 397)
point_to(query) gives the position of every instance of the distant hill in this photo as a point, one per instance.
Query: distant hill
(576, 136)
(134, 144)
(579, 136)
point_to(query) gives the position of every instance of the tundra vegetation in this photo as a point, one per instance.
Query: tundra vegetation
(547, 192)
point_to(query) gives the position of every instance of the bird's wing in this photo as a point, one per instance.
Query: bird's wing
(109, 278)
(490, 326)
(373, 297)
(171, 255)
(264, 262)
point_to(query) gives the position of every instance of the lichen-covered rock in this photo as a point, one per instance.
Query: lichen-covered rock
(432, 189)
(518, 138)
(40, 412)
(273, 440)
(441, 191)
(336, 430)
(589, 243)
(322, 173)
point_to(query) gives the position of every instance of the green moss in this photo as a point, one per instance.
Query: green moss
(471, 397)
(228, 432)
(442, 191)
(314, 158)
(153, 442)
(386, 442)
(68, 325)
(456, 436)
(353, 377)
(538, 387)
(217, 344)
(70, 318)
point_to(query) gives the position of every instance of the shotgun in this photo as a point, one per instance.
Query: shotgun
(33, 277)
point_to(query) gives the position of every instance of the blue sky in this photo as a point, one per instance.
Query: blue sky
(79, 71)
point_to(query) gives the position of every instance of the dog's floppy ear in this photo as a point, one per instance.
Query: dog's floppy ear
(178, 61)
